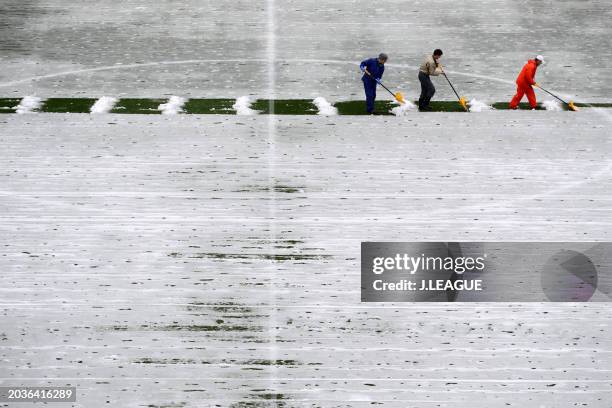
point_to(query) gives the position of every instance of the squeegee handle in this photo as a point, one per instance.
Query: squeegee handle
(551, 94)
(388, 90)
(379, 83)
(451, 85)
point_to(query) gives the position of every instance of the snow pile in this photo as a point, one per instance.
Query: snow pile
(29, 104)
(552, 105)
(324, 107)
(478, 106)
(243, 106)
(403, 108)
(173, 106)
(103, 105)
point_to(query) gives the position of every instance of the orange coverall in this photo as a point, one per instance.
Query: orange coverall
(524, 82)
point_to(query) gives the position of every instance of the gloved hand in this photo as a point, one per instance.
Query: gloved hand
(536, 84)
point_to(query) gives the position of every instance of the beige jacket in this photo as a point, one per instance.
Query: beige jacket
(430, 67)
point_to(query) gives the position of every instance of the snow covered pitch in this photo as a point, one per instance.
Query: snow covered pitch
(213, 260)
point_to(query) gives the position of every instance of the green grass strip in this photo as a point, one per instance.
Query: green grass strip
(9, 105)
(209, 106)
(522, 106)
(384, 107)
(359, 107)
(263, 106)
(65, 105)
(593, 105)
(285, 106)
(138, 105)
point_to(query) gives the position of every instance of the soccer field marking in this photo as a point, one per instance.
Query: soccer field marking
(273, 324)
(124, 66)
(267, 61)
(251, 60)
(592, 178)
(229, 60)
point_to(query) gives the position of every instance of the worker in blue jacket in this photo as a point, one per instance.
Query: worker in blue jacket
(372, 69)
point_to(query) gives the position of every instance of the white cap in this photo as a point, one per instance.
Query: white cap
(540, 58)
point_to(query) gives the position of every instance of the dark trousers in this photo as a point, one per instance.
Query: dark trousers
(370, 93)
(427, 90)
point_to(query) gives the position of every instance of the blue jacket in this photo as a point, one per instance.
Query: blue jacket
(374, 67)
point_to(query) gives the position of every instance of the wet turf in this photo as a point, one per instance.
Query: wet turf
(131, 105)
(209, 106)
(262, 106)
(8, 105)
(65, 105)
(285, 106)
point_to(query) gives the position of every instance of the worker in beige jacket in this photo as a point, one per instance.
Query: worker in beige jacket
(431, 66)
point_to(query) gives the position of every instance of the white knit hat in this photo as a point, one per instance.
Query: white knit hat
(540, 58)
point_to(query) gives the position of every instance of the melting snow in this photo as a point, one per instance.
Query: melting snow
(173, 106)
(243, 106)
(404, 108)
(325, 108)
(478, 106)
(552, 105)
(29, 104)
(103, 105)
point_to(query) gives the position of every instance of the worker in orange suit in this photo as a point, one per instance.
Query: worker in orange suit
(525, 83)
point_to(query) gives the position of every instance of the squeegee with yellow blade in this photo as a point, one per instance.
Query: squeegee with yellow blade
(398, 96)
(570, 104)
(462, 100)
